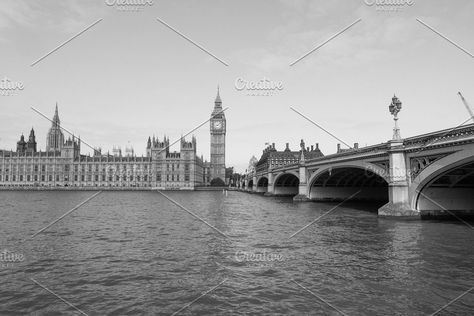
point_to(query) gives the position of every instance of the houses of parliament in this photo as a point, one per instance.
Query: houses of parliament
(63, 165)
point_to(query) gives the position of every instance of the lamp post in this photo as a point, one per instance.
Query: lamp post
(394, 108)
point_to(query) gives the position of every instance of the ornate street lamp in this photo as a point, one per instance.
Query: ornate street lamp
(394, 108)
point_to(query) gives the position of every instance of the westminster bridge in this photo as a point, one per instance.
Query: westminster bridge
(433, 172)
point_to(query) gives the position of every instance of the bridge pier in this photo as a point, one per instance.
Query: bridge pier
(303, 192)
(271, 186)
(398, 186)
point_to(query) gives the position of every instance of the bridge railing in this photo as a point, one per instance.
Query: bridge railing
(435, 137)
(460, 132)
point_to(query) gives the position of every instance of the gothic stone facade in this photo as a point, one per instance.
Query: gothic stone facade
(62, 164)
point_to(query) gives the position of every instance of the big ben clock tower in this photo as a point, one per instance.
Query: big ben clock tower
(218, 126)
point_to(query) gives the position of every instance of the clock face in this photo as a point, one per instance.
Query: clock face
(217, 124)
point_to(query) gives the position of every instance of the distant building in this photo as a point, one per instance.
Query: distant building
(272, 158)
(341, 150)
(218, 131)
(62, 164)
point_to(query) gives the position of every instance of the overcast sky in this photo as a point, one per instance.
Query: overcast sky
(130, 76)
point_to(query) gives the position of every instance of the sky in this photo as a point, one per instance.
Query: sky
(130, 76)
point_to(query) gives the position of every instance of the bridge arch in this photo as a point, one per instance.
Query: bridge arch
(362, 180)
(262, 184)
(250, 184)
(446, 184)
(286, 183)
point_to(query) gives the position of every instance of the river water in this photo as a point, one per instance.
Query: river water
(137, 253)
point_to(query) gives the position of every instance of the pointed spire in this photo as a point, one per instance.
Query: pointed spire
(56, 120)
(218, 100)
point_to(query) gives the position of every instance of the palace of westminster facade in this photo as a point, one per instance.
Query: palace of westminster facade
(62, 164)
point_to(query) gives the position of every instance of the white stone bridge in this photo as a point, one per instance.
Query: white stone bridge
(431, 173)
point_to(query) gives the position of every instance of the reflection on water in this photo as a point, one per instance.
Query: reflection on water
(132, 253)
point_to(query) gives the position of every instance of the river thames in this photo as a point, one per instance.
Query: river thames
(137, 253)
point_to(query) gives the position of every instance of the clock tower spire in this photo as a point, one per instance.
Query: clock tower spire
(218, 131)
